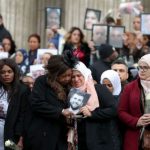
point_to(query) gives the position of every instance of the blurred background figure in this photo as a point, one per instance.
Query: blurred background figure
(122, 69)
(3, 31)
(21, 59)
(76, 44)
(9, 46)
(34, 44)
(137, 24)
(107, 55)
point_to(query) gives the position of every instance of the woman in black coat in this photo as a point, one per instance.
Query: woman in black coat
(47, 128)
(75, 43)
(12, 97)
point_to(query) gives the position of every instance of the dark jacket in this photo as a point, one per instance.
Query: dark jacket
(98, 68)
(3, 33)
(13, 128)
(97, 127)
(47, 129)
(84, 47)
(129, 113)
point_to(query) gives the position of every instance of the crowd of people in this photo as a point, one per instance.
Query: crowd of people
(36, 111)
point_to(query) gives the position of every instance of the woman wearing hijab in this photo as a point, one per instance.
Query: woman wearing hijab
(94, 129)
(111, 80)
(21, 58)
(130, 109)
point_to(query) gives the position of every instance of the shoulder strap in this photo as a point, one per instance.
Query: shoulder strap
(142, 101)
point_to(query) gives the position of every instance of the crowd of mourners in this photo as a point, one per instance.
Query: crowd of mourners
(34, 111)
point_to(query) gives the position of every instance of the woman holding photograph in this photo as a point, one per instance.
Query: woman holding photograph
(94, 130)
(13, 94)
(48, 130)
(76, 44)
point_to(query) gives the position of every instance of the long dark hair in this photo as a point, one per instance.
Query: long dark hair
(14, 84)
(57, 65)
(13, 45)
(70, 33)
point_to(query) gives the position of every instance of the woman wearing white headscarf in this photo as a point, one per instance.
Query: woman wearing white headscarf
(114, 80)
(94, 130)
(111, 79)
(131, 111)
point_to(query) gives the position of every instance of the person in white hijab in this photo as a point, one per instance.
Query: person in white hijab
(87, 85)
(98, 112)
(111, 79)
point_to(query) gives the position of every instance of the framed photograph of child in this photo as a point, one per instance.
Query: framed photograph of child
(145, 23)
(99, 34)
(115, 36)
(53, 17)
(92, 16)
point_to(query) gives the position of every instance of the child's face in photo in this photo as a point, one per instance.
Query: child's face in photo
(53, 18)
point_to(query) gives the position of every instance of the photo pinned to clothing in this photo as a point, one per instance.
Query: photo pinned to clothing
(145, 23)
(53, 17)
(115, 36)
(37, 70)
(77, 99)
(92, 16)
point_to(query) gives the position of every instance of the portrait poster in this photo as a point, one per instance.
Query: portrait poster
(145, 23)
(53, 17)
(3, 55)
(92, 16)
(99, 34)
(41, 52)
(37, 70)
(77, 99)
(115, 36)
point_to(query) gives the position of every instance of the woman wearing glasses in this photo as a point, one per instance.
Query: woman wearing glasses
(131, 111)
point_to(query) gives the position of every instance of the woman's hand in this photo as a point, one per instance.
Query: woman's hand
(144, 120)
(20, 143)
(66, 113)
(85, 111)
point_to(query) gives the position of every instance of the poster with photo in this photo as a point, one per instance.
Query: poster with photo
(115, 36)
(42, 52)
(99, 34)
(145, 23)
(37, 70)
(77, 99)
(3, 55)
(92, 16)
(53, 17)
